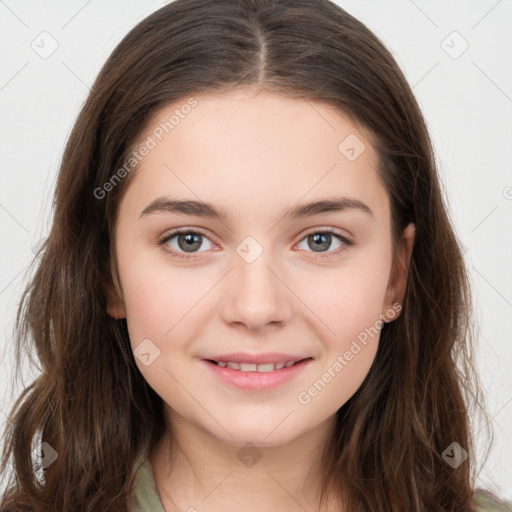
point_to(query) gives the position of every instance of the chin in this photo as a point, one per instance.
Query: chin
(263, 436)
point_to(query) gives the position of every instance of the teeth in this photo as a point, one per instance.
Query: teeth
(253, 367)
(248, 367)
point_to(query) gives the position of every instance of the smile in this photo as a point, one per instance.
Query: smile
(253, 367)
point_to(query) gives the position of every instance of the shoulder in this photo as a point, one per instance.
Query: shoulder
(484, 501)
(144, 494)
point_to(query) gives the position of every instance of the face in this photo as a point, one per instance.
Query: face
(257, 273)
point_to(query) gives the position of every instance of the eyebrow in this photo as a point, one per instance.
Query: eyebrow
(204, 209)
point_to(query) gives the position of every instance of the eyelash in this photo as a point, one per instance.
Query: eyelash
(347, 243)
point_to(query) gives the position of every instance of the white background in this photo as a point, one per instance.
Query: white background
(467, 102)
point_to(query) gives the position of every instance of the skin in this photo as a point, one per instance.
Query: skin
(253, 155)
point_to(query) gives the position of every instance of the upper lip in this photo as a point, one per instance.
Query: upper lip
(266, 357)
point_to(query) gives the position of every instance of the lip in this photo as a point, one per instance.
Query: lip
(267, 357)
(256, 381)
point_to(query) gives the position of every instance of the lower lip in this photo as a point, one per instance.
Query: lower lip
(256, 381)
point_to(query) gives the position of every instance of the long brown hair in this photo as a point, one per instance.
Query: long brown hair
(92, 405)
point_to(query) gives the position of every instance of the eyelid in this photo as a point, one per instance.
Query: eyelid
(327, 229)
(179, 231)
(346, 240)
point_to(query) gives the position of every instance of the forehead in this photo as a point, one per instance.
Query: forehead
(240, 149)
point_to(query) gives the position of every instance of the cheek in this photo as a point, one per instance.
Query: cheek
(348, 308)
(161, 318)
(150, 306)
(347, 305)
(348, 300)
(157, 296)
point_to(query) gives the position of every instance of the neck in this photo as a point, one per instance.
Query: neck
(194, 470)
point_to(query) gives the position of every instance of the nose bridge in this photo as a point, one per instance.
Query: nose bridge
(255, 296)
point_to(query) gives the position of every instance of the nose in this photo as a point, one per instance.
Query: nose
(255, 295)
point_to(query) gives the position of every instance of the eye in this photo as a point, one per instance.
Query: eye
(321, 239)
(187, 241)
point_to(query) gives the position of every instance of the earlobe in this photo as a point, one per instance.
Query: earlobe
(114, 296)
(116, 311)
(397, 283)
(408, 244)
(115, 304)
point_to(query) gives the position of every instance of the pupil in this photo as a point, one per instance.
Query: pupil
(190, 239)
(321, 240)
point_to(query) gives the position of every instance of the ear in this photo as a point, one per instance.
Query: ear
(115, 303)
(397, 283)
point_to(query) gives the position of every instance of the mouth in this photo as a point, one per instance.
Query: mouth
(252, 377)
(254, 367)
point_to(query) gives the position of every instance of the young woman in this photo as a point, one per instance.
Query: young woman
(251, 297)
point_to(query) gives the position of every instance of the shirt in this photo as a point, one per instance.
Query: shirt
(145, 497)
